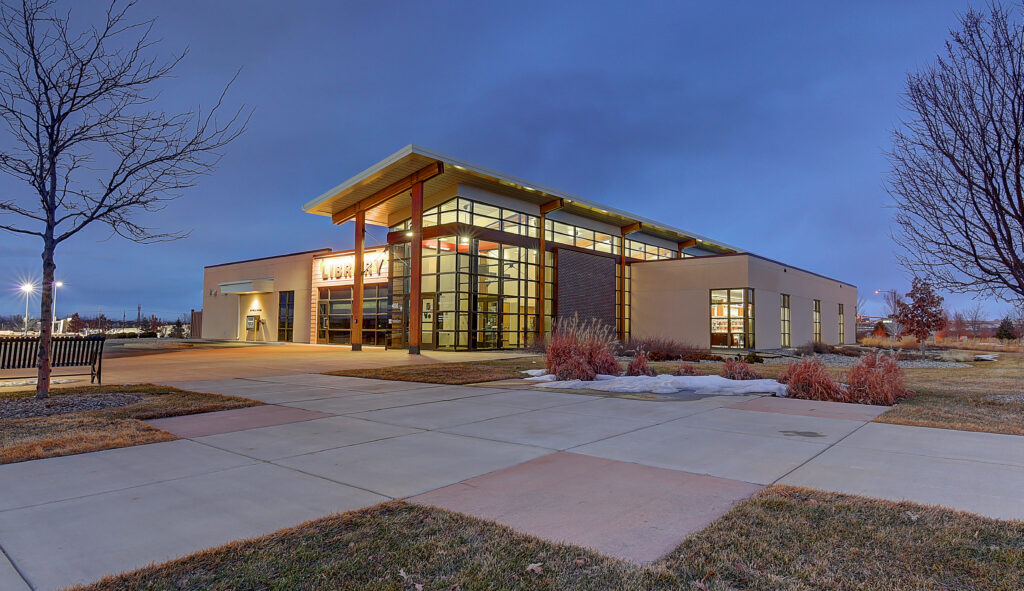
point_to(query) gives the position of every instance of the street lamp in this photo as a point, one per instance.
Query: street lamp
(28, 289)
(53, 310)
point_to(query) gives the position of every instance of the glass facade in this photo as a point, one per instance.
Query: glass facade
(785, 340)
(816, 319)
(286, 316)
(334, 315)
(476, 294)
(732, 318)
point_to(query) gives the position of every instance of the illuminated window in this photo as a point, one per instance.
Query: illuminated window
(732, 318)
(785, 342)
(817, 321)
(286, 316)
(842, 325)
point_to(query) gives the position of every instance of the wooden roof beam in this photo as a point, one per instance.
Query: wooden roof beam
(552, 206)
(394, 189)
(687, 243)
(632, 228)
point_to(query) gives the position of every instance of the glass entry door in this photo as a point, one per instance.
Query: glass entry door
(428, 313)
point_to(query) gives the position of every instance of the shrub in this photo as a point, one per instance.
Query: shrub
(808, 379)
(659, 349)
(579, 350)
(876, 379)
(813, 348)
(686, 369)
(700, 356)
(753, 358)
(739, 370)
(638, 365)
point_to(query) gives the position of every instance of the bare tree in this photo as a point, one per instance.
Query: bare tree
(86, 136)
(974, 317)
(956, 163)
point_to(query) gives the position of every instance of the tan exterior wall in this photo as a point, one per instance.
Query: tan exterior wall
(224, 314)
(671, 299)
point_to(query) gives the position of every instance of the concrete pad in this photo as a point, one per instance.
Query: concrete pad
(80, 540)
(533, 400)
(54, 479)
(225, 421)
(278, 393)
(985, 488)
(314, 379)
(940, 443)
(412, 464)
(437, 415)
(650, 411)
(738, 456)
(354, 404)
(813, 408)
(228, 387)
(548, 428)
(281, 441)
(10, 580)
(797, 427)
(624, 510)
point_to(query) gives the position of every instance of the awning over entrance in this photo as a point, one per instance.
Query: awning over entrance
(246, 286)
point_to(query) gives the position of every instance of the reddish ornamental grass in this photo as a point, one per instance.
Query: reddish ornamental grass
(739, 370)
(638, 366)
(687, 369)
(877, 379)
(580, 350)
(808, 379)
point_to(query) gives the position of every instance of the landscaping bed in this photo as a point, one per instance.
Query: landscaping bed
(782, 538)
(93, 418)
(466, 372)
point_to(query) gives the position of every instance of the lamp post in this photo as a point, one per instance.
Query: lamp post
(53, 311)
(28, 289)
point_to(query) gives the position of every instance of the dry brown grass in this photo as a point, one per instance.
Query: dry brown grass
(81, 432)
(782, 538)
(466, 372)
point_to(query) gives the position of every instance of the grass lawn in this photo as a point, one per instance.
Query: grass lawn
(123, 426)
(465, 372)
(782, 538)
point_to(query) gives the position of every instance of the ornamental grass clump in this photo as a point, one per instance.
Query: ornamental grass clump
(808, 379)
(877, 379)
(739, 370)
(686, 369)
(638, 365)
(581, 350)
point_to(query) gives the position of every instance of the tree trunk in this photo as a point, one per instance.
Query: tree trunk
(46, 322)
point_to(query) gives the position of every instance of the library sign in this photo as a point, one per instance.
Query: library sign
(340, 269)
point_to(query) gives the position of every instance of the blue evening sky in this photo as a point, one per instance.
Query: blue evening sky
(761, 124)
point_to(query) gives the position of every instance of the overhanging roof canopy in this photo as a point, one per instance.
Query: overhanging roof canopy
(247, 286)
(413, 159)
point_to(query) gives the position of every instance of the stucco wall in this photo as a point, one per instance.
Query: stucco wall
(671, 299)
(224, 314)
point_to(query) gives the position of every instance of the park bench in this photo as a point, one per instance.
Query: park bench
(23, 353)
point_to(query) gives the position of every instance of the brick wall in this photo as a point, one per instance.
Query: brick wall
(585, 285)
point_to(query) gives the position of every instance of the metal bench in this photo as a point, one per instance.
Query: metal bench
(23, 353)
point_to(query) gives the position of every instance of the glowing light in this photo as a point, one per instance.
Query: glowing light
(59, 284)
(465, 240)
(28, 288)
(408, 233)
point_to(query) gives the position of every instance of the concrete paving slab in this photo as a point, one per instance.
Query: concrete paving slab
(123, 530)
(54, 479)
(357, 403)
(533, 400)
(985, 488)
(548, 428)
(813, 408)
(737, 456)
(651, 411)
(412, 464)
(281, 441)
(225, 421)
(279, 393)
(942, 443)
(797, 427)
(228, 387)
(10, 580)
(315, 379)
(625, 510)
(437, 415)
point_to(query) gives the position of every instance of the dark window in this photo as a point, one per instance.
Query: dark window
(286, 317)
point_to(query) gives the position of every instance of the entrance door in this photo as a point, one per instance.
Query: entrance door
(428, 340)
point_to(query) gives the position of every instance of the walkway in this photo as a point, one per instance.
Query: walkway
(630, 478)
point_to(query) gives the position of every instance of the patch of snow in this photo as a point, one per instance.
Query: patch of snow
(987, 357)
(668, 384)
(535, 372)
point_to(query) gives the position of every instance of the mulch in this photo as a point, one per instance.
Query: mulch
(25, 408)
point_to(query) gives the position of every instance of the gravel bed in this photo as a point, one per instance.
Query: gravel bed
(24, 408)
(833, 360)
(1007, 398)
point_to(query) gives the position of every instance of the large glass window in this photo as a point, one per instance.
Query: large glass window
(286, 316)
(581, 237)
(335, 315)
(785, 340)
(842, 325)
(817, 321)
(481, 215)
(732, 318)
(648, 252)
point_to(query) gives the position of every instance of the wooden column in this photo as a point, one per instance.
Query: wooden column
(542, 249)
(357, 282)
(684, 245)
(416, 271)
(626, 231)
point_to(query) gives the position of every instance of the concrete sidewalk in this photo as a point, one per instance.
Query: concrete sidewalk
(651, 471)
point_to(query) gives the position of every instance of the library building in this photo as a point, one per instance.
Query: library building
(476, 259)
